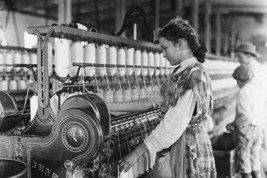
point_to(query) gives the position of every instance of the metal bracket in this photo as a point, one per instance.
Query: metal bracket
(57, 86)
(33, 87)
(131, 17)
(42, 75)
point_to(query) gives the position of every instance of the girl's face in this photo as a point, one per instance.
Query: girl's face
(171, 51)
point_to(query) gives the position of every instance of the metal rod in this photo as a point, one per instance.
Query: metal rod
(71, 33)
(111, 65)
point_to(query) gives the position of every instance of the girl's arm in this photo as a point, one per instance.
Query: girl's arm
(131, 106)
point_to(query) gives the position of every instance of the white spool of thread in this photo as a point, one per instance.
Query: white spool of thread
(12, 85)
(130, 60)
(17, 60)
(25, 60)
(4, 85)
(121, 60)
(167, 63)
(76, 56)
(144, 59)
(149, 92)
(137, 62)
(62, 57)
(118, 96)
(111, 59)
(33, 58)
(127, 95)
(157, 63)
(155, 91)
(108, 96)
(89, 57)
(101, 58)
(2, 61)
(136, 94)
(22, 85)
(162, 64)
(9, 60)
(143, 93)
(151, 63)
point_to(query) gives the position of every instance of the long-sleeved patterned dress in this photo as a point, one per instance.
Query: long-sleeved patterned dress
(191, 156)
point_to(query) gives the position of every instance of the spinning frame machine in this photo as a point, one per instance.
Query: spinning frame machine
(84, 139)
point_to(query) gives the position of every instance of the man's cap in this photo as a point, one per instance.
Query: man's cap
(243, 73)
(247, 48)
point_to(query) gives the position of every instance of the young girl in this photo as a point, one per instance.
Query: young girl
(187, 102)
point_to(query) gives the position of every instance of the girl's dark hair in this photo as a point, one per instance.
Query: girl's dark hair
(181, 29)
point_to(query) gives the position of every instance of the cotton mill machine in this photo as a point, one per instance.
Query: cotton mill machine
(70, 132)
(75, 135)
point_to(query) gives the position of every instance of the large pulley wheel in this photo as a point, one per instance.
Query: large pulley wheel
(9, 114)
(81, 134)
(93, 104)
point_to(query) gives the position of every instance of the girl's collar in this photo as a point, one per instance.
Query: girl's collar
(184, 64)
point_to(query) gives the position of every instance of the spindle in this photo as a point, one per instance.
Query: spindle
(101, 58)
(111, 59)
(9, 60)
(90, 57)
(2, 61)
(151, 63)
(25, 60)
(76, 56)
(17, 60)
(162, 65)
(62, 57)
(137, 62)
(144, 59)
(121, 60)
(130, 61)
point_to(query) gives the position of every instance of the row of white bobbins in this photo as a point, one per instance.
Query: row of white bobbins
(13, 83)
(76, 52)
(10, 57)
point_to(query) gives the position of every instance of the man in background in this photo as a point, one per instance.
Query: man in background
(247, 56)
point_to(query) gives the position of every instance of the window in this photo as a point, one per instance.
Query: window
(30, 41)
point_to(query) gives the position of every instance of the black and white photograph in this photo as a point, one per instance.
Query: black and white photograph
(133, 88)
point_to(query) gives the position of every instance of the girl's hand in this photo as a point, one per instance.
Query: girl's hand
(128, 161)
